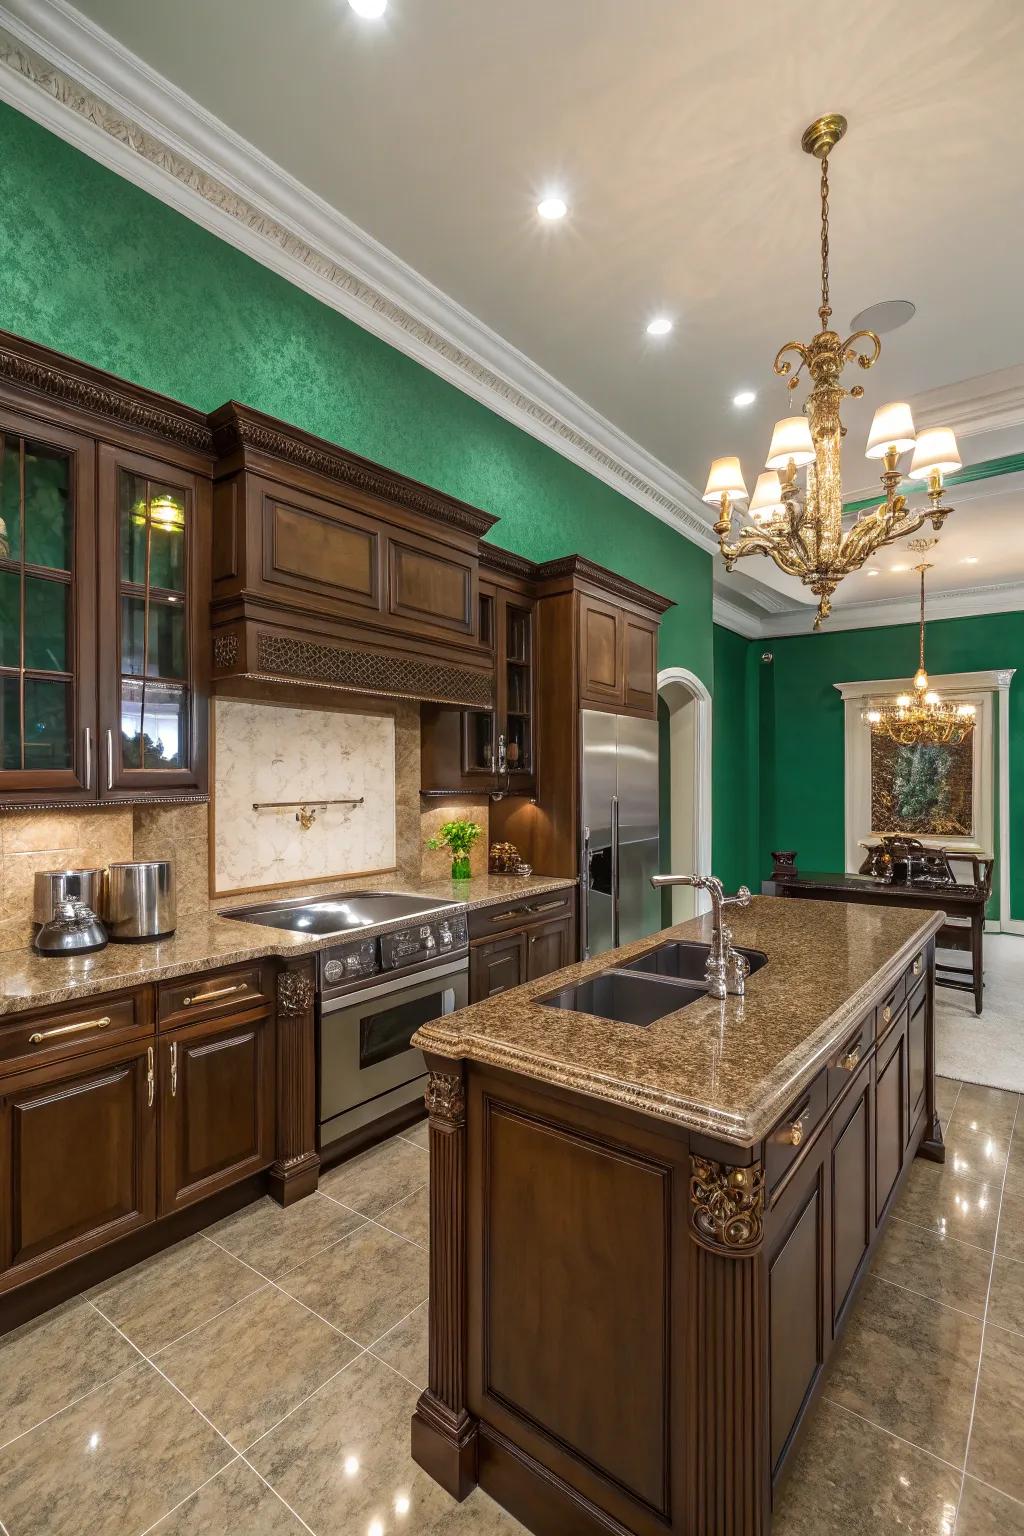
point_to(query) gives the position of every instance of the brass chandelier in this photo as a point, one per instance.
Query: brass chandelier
(802, 530)
(923, 718)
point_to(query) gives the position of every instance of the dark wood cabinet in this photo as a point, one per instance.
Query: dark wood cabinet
(851, 1190)
(217, 1107)
(639, 664)
(798, 1287)
(600, 651)
(522, 941)
(890, 1112)
(549, 948)
(77, 1158)
(917, 1061)
(496, 966)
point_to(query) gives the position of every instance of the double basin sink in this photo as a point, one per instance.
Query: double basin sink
(660, 981)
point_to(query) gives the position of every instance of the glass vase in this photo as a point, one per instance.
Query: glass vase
(460, 866)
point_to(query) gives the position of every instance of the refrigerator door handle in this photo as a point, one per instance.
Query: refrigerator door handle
(585, 896)
(615, 871)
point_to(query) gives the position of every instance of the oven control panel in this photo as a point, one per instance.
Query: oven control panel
(424, 941)
(350, 962)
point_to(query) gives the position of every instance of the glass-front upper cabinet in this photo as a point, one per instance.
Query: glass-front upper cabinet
(152, 724)
(47, 613)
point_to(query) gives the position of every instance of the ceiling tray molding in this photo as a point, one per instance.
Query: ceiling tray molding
(64, 72)
(960, 603)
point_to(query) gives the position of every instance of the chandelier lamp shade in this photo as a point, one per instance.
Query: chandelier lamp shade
(801, 527)
(923, 717)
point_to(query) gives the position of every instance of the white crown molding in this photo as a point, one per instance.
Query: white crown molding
(63, 71)
(737, 619)
(990, 402)
(962, 603)
(994, 681)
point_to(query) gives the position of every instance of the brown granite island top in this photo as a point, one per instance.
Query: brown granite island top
(725, 1068)
(207, 939)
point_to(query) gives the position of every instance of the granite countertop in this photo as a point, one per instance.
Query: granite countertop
(207, 939)
(726, 1068)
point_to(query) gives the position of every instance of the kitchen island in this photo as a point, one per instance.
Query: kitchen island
(645, 1236)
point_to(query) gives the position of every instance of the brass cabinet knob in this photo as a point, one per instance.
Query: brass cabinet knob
(795, 1133)
(850, 1061)
(917, 966)
(887, 1014)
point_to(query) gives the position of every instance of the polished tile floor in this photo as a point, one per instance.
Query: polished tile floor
(258, 1380)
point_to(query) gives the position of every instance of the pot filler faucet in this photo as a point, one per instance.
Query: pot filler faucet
(726, 971)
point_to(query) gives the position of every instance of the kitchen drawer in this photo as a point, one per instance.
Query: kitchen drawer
(915, 971)
(30, 1040)
(209, 994)
(888, 1010)
(484, 922)
(783, 1145)
(850, 1056)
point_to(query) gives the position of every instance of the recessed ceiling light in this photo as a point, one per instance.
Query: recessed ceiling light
(552, 207)
(371, 9)
(969, 560)
(745, 397)
(873, 572)
(887, 316)
(899, 567)
(659, 326)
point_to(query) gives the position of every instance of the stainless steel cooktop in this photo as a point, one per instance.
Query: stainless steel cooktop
(337, 914)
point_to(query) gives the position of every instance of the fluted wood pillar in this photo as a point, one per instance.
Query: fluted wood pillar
(296, 1168)
(444, 1435)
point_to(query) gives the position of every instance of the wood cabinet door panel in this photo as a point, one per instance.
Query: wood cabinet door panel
(600, 648)
(640, 664)
(216, 1094)
(496, 966)
(434, 586)
(77, 1159)
(852, 1219)
(547, 948)
(917, 1064)
(797, 1275)
(890, 1114)
(318, 547)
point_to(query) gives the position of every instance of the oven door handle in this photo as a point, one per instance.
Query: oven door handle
(402, 982)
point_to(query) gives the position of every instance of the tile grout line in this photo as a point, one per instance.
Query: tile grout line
(212, 1478)
(984, 1322)
(945, 1237)
(902, 1439)
(993, 1489)
(304, 1305)
(189, 1331)
(75, 1400)
(909, 1290)
(235, 1455)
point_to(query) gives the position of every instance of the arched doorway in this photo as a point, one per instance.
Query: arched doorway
(684, 714)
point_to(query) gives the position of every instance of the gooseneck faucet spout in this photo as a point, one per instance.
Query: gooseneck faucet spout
(726, 970)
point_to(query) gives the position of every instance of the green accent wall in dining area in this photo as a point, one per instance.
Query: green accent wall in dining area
(95, 267)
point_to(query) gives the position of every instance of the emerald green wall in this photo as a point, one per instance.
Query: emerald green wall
(794, 730)
(735, 768)
(92, 266)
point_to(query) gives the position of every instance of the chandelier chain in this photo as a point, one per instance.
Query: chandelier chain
(825, 310)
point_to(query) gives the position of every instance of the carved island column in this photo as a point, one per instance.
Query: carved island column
(728, 1392)
(296, 1170)
(444, 1435)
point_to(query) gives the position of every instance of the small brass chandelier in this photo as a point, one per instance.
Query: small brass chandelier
(924, 718)
(802, 530)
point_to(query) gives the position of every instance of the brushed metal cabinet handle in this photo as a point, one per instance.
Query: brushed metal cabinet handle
(206, 997)
(88, 757)
(68, 1029)
(110, 759)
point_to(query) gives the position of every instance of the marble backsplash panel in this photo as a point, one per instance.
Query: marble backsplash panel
(271, 752)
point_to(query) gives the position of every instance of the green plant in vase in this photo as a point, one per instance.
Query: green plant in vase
(458, 837)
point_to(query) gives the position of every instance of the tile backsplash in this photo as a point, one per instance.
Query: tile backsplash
(31, 840)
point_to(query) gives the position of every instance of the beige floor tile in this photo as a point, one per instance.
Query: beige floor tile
(110, 1464)
(170, 1294)
(945, 1200)
(419, 1134)
(947, 1090)
(48, 1363)
(410, 1217)
(909, 1366)
(1010, 1242)
(1015, 1161)
(850, 1476)
(365, 1284)
(995, 1450)
(234, 1503)
(404, 1348)
(974, 1149)
(274, 1238)
(984, 1512)
(934, 1266)
(992, 1110)
(250, 1366)
(1006, 1303)
(379, 1178)
(342, 1461)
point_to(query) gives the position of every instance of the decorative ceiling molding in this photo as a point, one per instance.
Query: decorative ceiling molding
(996, 681)
(76, 80)
(989, 403)
(961, 603)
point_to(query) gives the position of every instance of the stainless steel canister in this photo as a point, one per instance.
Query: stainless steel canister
(138, 900)
(52, 887)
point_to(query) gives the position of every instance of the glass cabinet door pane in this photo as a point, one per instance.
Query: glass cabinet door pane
(46, 625)
(10, 499)
(154, 725)
(10, 722)
(479, 742)
(132, 511)
(167, 538)
(48, 715)
(167, 654)
(10, 619)
(48, 519)
(133, 632)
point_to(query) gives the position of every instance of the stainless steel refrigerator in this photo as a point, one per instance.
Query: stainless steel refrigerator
(620, 831)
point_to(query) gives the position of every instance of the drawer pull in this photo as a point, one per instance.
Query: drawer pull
(544, 906)
(917, 966)
(150, 1077)
(794, 1133)
(174, 1069)
(850, 1061)
(887, 1014)
(208, 997)
(69, 1029)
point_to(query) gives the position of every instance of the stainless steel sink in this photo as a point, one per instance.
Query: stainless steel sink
(683, 959)
(625, 997)
(337, 914)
